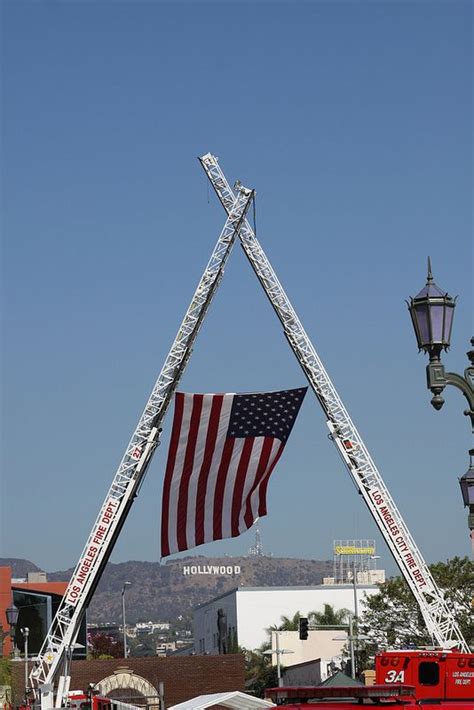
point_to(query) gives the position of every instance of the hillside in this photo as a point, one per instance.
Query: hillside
(20, 568)
(163, 592)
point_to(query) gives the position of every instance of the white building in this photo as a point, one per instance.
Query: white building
(321, 643)
(243, 615)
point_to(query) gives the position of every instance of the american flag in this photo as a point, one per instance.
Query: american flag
(222, 451)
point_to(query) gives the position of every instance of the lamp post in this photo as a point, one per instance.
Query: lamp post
(353, 638)
(26, 632)
(354, 584)
(432, 312)
(12, 618)
(278, 651)
(125, 649)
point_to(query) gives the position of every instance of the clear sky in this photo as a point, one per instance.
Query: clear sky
(353, 121)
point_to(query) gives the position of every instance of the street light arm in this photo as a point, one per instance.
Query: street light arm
(438, 379)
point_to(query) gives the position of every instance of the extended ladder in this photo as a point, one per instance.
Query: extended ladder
(438, 617)
(59, 642)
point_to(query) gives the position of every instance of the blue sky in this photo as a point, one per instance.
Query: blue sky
(352, 120)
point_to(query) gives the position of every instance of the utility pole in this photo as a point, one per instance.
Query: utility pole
(124, 623)
(26, 632)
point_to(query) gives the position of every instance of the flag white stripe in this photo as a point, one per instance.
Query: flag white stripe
(194, 479)
(250, 478)
(255, 497)
(214, 467)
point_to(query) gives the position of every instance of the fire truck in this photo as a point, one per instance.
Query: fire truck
(78, 700)
(431, 678)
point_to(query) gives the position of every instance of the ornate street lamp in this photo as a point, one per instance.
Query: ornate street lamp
(467, 483)
(12, 618)
(432, 312)
(12, 615)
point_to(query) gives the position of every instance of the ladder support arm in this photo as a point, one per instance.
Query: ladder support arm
(437, 615)
(133, 466)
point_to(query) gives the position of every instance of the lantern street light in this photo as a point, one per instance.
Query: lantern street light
(432, 312)
(467, 489)
(12, 618)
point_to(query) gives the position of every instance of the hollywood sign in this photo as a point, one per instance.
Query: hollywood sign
(211, 569)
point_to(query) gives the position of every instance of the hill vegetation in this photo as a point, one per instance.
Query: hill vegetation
(163, 592)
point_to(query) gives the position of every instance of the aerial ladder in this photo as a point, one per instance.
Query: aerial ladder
(437, 615)
(54, 658)
(56, 653)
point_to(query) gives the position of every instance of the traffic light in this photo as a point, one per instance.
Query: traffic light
(303, 628)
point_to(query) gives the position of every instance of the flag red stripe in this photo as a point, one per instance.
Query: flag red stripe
(249, 516)
(206, 465)
(242, 471)
(187, 471)
(262, 508)
(220, 487)
(177, 420)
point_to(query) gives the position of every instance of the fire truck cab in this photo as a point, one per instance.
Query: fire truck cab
(434, 674)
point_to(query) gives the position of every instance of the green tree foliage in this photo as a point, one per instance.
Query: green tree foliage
(329, 616)
(259, 672)
(392, 617)
(144, 648)
(5, 671)
(456, 577)
(287, 623)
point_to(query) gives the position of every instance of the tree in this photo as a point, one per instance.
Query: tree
(259, 672)
(329, 617)
(5, 672)
(456, 577)
(104, 646)
(287, 623)
(392, 617)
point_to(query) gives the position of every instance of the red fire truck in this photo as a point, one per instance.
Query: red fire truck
(432, 678)
(77, 700)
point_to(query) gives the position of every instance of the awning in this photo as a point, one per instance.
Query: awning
(234, 699)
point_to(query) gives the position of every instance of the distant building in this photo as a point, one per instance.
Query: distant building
(165, 648)
(37, 601)
(371, 576)
(148, 627)
(243, 615)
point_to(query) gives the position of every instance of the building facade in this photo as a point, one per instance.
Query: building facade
(37, 601)
(242, 616)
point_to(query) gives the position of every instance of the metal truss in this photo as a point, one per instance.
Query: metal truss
(59, 642)
(436, 613)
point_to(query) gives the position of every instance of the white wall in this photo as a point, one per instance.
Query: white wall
(251, 610)
(259, 608)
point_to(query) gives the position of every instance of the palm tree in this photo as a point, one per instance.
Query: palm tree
(329, 617)
(287, 623)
